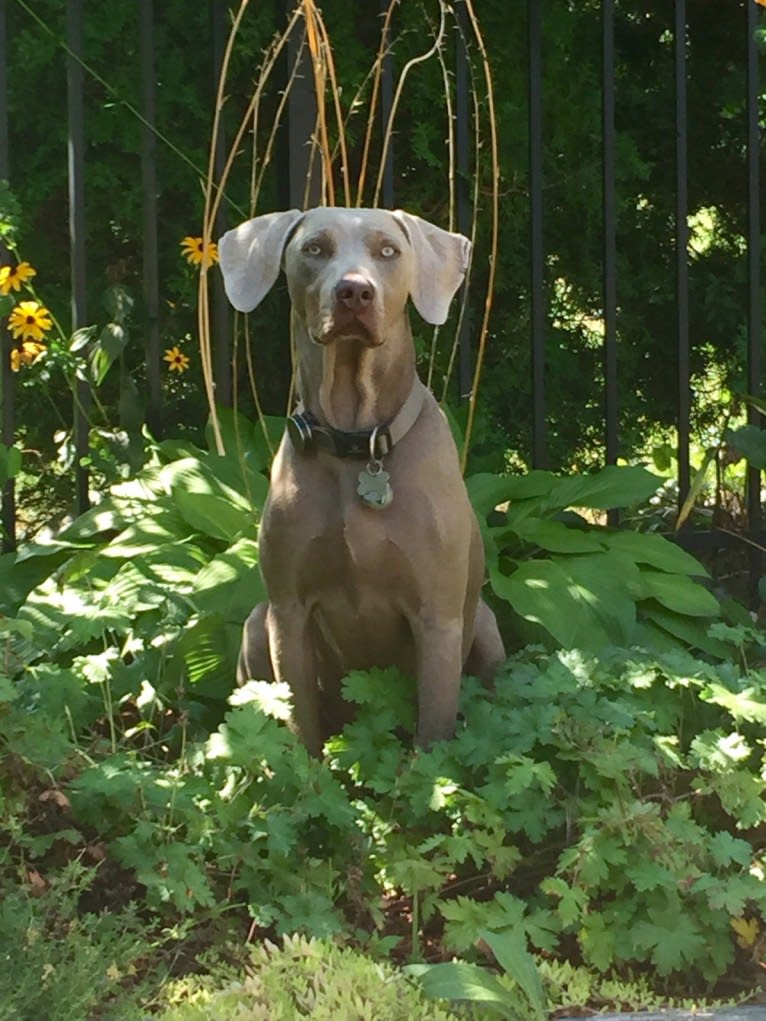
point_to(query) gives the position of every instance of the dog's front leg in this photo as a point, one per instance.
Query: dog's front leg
(293, 659)
(439, 661)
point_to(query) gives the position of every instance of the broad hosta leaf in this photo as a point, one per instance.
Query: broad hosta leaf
(205, 502)
(582, 601)
(656, 551)
(148, 534)
(545, 593)
(750, 441)
(612, 487)
(209, 654)
(681, 594)
(231, 583)
(611, 584)
(487, 491)
(557, 537)
(692, 631)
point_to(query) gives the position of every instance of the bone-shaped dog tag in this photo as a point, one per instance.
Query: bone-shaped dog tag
(374, 487)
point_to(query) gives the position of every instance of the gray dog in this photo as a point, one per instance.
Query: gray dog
(369, 547)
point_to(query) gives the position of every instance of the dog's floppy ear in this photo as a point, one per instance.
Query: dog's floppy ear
(250, 257)
(441, 261)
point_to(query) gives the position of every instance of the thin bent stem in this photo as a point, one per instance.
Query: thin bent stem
(377, 73)
(398, 95)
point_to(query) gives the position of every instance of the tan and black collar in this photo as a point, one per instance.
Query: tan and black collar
(307, 433)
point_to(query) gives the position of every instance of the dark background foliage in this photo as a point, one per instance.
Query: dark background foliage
(572, 190)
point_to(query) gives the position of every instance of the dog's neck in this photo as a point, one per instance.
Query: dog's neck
(350, 386)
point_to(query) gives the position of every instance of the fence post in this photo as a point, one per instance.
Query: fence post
(7, 389)
(537, 261)
(151, 293)
(608, 142)
(754, 309)
(76, 167)
(682, 251)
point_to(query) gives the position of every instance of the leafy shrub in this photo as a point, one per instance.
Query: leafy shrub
(592, 800)
(309, 978)
(582, 585)
(63, 965)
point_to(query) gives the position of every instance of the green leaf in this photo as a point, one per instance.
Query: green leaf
(540, 591)
(206, 503)
(10, 463)
(557, 537)
(681, 594)
(725, 849)
(696, 487)
(510, 950)
(614, 486)
(741, 705)
(672, 937)
(8, 690)
(119, 303)
(231, 582)
(654, 550)
(81, 338)
(583, 601)
(487, 491)
(242, 438)
(750, 441)
(457, 980)
(692, 631)
(107, 349)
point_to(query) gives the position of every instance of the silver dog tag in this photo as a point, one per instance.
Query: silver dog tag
(374, 487)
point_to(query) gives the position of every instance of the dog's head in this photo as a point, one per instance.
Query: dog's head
(349, 271)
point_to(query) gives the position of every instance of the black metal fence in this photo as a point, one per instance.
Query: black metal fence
(301, 123)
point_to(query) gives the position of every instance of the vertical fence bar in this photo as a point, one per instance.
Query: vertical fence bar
(754, 309)
(7, 389)
(682, 249)
(610, 230)
(462, 186)
(386, 103)
(151, 290)
(222, 321)
(305, 190)
(539, 430)
(76, 164)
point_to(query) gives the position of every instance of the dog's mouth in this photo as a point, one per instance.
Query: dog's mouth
(343, 324)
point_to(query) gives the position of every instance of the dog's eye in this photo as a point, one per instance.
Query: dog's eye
(313, 248)
(388, 251)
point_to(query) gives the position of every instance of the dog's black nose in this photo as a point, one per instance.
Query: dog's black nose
(355, 291)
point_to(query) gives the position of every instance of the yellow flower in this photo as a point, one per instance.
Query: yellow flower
(176, 359)
(28, 353)
(29, 319)
(12, 277)
(195, 250)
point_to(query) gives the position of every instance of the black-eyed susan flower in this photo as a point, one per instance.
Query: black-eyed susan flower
(12, 278)
(198, 253)
(176, 359)
(29, 320)
(26, 354)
